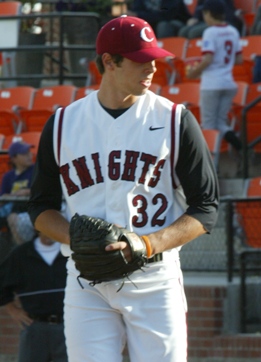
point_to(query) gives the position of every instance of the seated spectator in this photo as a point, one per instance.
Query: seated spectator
(17, 182)
(32, 282)
(166, 17)
(196, 24)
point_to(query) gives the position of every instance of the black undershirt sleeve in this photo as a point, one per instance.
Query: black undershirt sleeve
(196, 172)
(46, 191)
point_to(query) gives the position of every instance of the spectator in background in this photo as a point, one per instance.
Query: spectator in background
(32, 282)
(196, 24)
(17, 182)
(221, 49)
(166, 17)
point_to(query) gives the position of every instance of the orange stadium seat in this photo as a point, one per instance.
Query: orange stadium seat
(247, 6)
(193, 48)
(11, 101)
(174, 44)
(192, 55)
(178, 46)
(185, 93)
(46, 101)
(93, 75)
(251, 46)
(32, 138)
(248, 21)
(84, 91)
(165, 72)
(244, 72)
(156, 88)
(239, 102)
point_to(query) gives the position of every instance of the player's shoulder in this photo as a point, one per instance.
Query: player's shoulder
(157, 100)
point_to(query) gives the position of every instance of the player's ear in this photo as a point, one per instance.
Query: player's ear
(108, 61)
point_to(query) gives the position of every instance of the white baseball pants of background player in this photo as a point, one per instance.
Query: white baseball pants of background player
(214, 107)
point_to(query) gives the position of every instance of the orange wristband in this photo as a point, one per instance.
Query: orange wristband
(148, 245)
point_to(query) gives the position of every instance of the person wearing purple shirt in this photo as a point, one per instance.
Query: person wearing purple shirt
(17, 182)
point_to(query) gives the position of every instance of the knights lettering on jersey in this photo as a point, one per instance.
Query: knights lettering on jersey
(126, 171)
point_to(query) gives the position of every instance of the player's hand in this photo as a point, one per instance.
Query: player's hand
(123, 246)
(192, 21)
(18, 315)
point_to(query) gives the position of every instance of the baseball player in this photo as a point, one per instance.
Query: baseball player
(221, 49)
(140, 162)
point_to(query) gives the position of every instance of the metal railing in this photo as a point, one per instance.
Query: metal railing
(61, 47)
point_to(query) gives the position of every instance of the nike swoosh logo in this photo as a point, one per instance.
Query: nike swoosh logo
(155, 128)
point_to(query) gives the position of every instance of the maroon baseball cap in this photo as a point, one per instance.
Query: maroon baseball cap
(131, 37)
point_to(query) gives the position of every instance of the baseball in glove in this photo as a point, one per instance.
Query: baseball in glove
(88, 238)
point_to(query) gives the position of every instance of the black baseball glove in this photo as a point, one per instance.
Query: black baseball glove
(88, 238)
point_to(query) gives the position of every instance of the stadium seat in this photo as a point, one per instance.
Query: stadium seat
(185, 93)
(32, 138)
(156, 88)
(247, 6)
(165, 74)
(248, 21)
(174, 44)
(11, 101)
(251, 47)
(244, 72)
(248, 215)
(239, 102)
(84, 91)
(192, 55)
(46, 101)
(193, 48)
(93, 75)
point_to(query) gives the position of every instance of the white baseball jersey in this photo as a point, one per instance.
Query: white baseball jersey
(224, 43)
(111, 162)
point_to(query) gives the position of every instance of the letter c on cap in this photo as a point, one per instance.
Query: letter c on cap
(144, 36)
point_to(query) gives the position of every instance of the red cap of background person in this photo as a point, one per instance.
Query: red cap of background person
(131, 37)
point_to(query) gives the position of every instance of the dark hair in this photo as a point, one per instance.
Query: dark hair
(217, 8)
(216, 16)
(117, 59)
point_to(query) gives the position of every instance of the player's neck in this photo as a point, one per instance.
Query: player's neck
(215, 22)
(115, 99)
